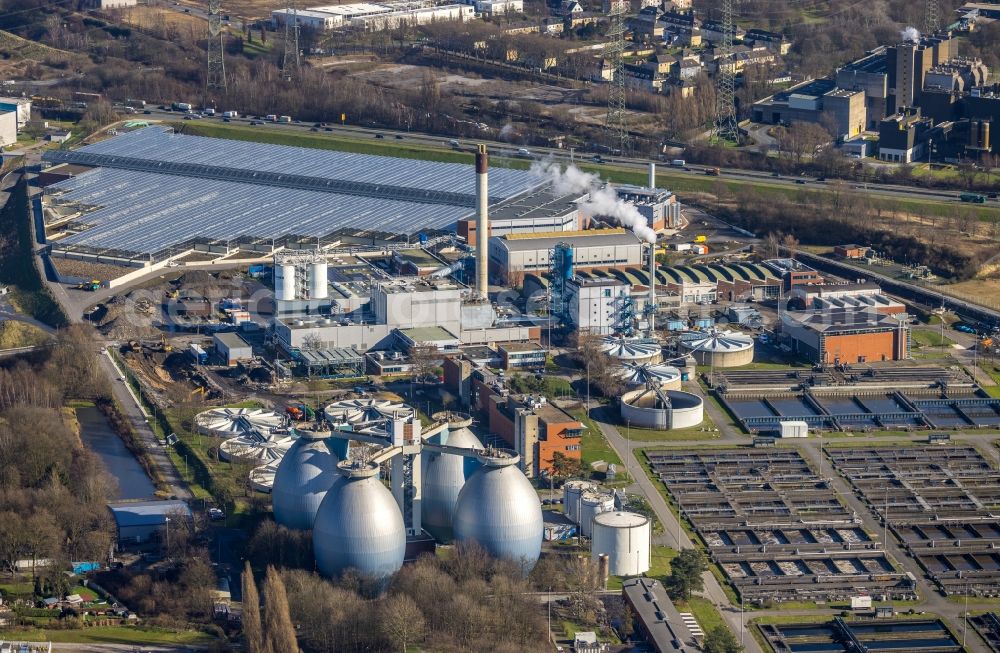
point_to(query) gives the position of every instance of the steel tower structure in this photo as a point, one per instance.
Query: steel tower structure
(931, 17)
(290, 60)
(615, 124)
(726, 125)
(216, 73)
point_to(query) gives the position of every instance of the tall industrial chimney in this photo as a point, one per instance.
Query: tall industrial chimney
(652, 288)
(652, 175)
(482, 221)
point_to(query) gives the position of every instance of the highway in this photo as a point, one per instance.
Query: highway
(891, 191)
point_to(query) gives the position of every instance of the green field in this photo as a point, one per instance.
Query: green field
(110, 635)
(594, 445)
(928, 338)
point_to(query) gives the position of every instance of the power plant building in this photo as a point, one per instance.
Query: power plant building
(373, 16)
(604, 249)
(847, 335)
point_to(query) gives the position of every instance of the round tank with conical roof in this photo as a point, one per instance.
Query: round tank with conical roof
(572, 491)
(633, 350)
(359, 525)
(444, 475)
(500, 510)
(302, 479)
(666, 376)
(591, 505)
(719, 348)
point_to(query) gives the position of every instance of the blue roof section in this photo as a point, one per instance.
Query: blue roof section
(146, 513)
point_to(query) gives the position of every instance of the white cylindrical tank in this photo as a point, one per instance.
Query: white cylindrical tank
(284, 281)
(318, 284)
(591, 505)
(572, 491)
(625, 538)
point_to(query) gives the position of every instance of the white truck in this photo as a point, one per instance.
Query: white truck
(678, 163)
(181, 106)
(230, 114)
(209, 111)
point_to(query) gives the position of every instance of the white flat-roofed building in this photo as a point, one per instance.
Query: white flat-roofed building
(598, 248)
(23, 107)
(592, 304)
(499, 7)
(318, 20)
(8, 127)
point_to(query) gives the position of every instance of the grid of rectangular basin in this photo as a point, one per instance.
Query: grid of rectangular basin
(988, 626)
(941, 502)
(861, 409)
(777, 530)
(883, 635)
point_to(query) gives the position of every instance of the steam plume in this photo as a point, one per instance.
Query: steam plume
(910, 34)
(603, 200)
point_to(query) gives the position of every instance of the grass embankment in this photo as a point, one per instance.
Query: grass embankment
(929, 338)
(28, 294)
(111, 635)
(595, 446)
(14, 334)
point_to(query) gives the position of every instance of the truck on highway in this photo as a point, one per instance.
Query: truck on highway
(974, 198)
(285, 119)
(678, 163)
(271, 117)
(230, 114)
(181, 106)
(713, 172)
(209, 111)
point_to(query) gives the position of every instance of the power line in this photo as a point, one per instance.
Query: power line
(615, 123)
(216, 74)
(931, 17)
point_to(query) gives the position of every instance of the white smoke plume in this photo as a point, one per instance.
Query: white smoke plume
(603, 200)
(507, 133)
(910, 34)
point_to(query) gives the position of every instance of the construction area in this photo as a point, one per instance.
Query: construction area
(777, 530)
(884, 635)
(940, 502)
(859, 398)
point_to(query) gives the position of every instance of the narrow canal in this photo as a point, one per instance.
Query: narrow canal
(99, 437)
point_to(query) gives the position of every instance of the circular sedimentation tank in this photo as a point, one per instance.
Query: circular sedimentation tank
(257, 446)
(625, 538)
(645, 407)
(499, 509)
(719, 348)
(632, 350)
(363, 411)
(229, 422)
(302, 479)
(666, 376)
(359, 525)
(262, 477)
(444, 476)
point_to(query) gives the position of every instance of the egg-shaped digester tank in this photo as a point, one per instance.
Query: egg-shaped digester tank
(302, 479)
(444, 475)
(500, 510)
(358, 525)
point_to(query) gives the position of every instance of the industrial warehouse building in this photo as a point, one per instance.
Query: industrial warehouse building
(373, 16)
(251, 196)
(138, 522)
(231, 348)
(511, 255)
(847, 335)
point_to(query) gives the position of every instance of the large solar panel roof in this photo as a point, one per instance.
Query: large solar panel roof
(155, 190)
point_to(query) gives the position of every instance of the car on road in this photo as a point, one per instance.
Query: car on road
(775, 174)
(328, 129)
(255, 122)
(820, 178)
(800, 181)
(521, 151)
(147, 112)
(216, 514)
(399, 137)
(597, 158)
(379, 136)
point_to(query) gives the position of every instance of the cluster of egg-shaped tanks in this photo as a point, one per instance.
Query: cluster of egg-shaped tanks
(357, 523)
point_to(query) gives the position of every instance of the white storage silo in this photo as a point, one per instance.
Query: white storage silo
(625, 538)
(572, 491)
(591, 505)
(284, 281)
(318, 281)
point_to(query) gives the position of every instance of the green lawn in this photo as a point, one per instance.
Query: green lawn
(26, 588)
(704, 612)
(85, 593)
(659, 566)
(594, 445)
(110, 635)
(928, 338)
(706, 431)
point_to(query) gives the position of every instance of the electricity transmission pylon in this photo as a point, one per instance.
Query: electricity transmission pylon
(290, 62)
(216, 73)
(615, 123)
(931, 17)
(726, 126)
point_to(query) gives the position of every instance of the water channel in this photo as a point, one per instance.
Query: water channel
(98, 436)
